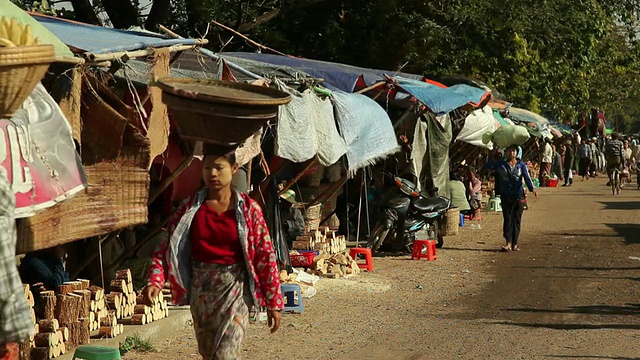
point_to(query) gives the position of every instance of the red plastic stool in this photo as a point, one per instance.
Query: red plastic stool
(424, 249)
(368, 265)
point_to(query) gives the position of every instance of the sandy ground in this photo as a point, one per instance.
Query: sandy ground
(572, 292)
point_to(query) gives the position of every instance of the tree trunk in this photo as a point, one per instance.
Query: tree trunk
(84, 12)
(122, 13)
(159, 14)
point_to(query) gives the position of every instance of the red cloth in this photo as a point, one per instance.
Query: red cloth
(214, 237)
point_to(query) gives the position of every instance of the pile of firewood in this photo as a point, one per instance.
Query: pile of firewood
(324, 240)
(146, 312)
(97, 307)
(334, 266)
(25, 346)
(122, 297)
(51, 340)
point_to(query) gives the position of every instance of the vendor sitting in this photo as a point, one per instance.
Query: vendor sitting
(458, 194)
(46, 267)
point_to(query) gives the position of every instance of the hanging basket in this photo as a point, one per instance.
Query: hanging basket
(451, 223)
(312, 215)
(21, 69)
(221, 112)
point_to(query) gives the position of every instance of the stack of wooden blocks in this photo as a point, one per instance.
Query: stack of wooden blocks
(122, 297)
(334, 266)
(25, 346)
(324, 240)
(146, 312)
(51, 340)
(97, 307)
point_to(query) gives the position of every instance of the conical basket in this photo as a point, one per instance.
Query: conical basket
(21, 68)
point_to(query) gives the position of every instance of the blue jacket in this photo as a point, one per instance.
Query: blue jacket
(510, 179)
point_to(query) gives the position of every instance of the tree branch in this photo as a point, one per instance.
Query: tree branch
(260, 20)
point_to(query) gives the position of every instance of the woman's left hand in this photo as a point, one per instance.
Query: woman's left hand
(274, 317)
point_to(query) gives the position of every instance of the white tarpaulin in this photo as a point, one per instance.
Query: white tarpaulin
(306, 127)
(476, 124)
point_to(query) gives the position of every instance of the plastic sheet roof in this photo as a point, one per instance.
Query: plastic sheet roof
(442, 100)
(100, 40)
(336, 76)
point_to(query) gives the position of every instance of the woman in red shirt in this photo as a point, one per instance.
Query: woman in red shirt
(220, 260)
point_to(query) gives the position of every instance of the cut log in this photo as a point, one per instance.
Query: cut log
(45, 339)
(63, 348)
(85, 284)
(115, 298)
(97, 292)
(107, 332)
(48, 325)
(138, 319)
(64, 289)
(85, 303)
(48, 300)
(141, 309)
(124, 275)
(65, 333)
(118, 286)
(41, 353)
(108, 321)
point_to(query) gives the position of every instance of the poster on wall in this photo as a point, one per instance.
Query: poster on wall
(38, 155)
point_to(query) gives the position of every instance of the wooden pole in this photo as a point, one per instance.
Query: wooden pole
(179, 170)
(137, 53)
(247, 39)
(368, 88)
(311, 164)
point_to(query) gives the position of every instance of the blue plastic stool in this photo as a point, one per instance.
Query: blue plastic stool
(289, 291)
(461, 220)
(90, 352)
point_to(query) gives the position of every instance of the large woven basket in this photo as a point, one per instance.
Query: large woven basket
(312, 215)
(222, 112)
(451, 223)
(21, 68)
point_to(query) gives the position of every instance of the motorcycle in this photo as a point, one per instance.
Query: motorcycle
(408, 212)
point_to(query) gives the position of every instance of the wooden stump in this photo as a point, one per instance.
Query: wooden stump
(41, 353)
(64, 289)
(51, 325)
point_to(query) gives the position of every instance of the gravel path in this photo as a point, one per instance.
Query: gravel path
(570, 293)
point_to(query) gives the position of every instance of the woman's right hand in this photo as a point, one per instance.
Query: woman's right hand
(150, 293)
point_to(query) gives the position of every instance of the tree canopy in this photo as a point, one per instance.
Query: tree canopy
(555, 57)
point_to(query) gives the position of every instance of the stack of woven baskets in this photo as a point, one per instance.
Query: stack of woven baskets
(312, 216)
(23, 63)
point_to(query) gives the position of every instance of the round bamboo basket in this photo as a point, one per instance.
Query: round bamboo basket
(451, 223)
(221, 112)
(21, 69)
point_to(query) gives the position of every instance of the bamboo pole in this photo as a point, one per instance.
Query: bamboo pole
(247, 39)
(179, 170)
(137, 53)
(378, 84)
(311, 164)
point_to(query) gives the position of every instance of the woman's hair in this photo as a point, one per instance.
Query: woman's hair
(453, 176)
(227, 152)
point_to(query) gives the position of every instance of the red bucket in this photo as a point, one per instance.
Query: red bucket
(304, 259)
(552, 183)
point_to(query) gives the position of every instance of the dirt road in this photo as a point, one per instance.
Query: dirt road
(572, 292)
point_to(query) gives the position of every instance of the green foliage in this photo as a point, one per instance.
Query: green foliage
(136, 343)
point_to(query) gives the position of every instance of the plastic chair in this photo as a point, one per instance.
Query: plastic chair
(495, 204)
(368, 256)
(424, 249)
(91, 352)
(289, 292)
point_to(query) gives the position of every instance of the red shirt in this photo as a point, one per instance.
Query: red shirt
(214, 237)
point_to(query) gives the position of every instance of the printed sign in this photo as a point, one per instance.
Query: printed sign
(39, 156)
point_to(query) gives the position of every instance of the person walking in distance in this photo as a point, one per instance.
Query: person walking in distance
(584, 152)
(15, 316)
(220, 260)
(568, 164)
(547, 160)
(511, 173)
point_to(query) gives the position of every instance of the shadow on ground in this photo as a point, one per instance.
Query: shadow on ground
(590, 357)
(621, 205)
(557, 326)
(629, 309)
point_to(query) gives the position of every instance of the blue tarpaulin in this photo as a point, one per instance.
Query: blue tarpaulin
(101, 40)
(442, 100)
(336, 76)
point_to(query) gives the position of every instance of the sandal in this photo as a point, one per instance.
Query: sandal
(506, 248)
(516, 248)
